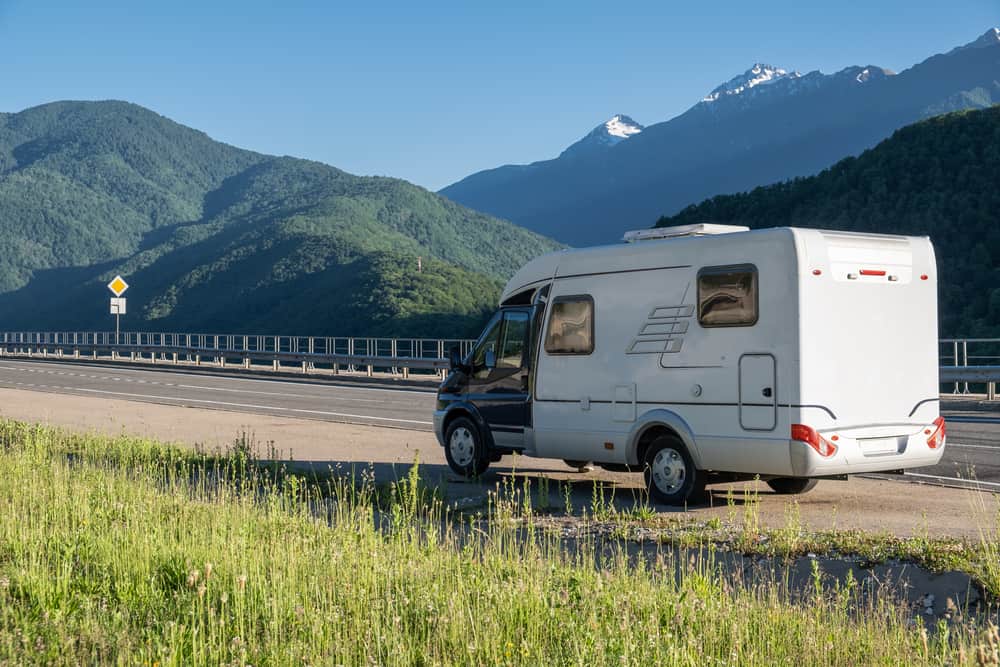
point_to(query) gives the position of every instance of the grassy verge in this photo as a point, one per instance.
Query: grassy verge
(114, 550)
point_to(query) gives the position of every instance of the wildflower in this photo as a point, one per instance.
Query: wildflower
(4, 582)
(241, 581)
(201, 591)
(193, 578)
(208, 571)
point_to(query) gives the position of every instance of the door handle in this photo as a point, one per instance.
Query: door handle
(766, 391)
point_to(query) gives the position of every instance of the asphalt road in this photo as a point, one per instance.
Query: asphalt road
(346, 401)
(973, 450)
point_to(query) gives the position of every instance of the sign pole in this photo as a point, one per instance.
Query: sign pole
(118, 287)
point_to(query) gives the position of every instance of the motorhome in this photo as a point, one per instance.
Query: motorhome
(708, 353)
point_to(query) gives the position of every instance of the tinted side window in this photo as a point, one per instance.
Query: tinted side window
(514, 333)
(571, 326)
(727, 296)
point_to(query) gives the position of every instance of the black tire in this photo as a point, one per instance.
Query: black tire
(791, 485)
(671, 476)
(580, 466)
(464, 448)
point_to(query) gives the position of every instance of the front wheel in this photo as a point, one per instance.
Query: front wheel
(791, 485)
(464, 448)
(671, 476)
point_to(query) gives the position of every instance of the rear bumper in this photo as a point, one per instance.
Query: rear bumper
(849, 458)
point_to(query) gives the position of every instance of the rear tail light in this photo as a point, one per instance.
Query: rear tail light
(937, 433)
(811, 437)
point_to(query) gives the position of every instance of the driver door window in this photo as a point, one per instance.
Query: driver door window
(505, 338)
(514, 333)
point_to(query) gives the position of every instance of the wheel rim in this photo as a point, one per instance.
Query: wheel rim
(668, 470)
(462, 446)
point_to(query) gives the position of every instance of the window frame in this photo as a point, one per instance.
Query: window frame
(729, 268)
(570, 298)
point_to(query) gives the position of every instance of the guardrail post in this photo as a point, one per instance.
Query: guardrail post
(246, 363)
(305, 367)
(277, 365)
(222, 361)
(991, 391)
(371, 370)
(197, 360)
(965, 362)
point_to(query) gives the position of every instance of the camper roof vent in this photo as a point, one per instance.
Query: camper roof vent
(701, 229)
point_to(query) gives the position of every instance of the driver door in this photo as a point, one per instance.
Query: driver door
(498, 386)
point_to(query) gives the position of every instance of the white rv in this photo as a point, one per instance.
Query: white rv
(709, 353)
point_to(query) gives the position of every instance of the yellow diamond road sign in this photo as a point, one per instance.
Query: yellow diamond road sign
(118, 286)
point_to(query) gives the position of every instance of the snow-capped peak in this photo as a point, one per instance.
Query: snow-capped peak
(989, 38)
(621, 127)
(613, 131)
(759, 74)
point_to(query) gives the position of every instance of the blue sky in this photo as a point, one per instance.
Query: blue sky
(432, 91)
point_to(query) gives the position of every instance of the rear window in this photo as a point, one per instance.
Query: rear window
(727, 296)
(571, 326)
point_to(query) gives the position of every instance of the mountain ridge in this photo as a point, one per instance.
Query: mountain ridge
(793, 126)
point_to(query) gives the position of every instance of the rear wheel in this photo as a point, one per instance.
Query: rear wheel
(464, 448)
(791, 485)
(671, 476)
(581, 466)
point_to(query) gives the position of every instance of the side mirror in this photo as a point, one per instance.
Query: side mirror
(455, 358)
(490, 358)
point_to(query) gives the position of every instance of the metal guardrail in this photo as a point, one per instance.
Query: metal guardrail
(339, 353)
(963, 361)
(970, 360)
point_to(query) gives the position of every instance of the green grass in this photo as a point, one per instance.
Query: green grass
(122, 551)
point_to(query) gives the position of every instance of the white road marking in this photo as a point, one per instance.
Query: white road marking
(965, 446)
(973, 482)
(206, 388)
(271, 393)
(247, 405)
(415, 390)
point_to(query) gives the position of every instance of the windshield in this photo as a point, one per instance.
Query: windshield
(487, 341)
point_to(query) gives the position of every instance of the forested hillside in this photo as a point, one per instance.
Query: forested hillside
(212, 237)
(938, 177)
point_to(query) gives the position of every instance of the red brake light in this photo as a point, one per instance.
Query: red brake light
(936, 438)
(872, 272)
(811, 437)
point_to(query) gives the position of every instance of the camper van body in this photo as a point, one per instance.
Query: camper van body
(785, 353)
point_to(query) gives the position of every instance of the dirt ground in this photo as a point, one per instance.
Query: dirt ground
(901, 508)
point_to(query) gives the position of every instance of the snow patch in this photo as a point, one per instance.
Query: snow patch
(622, 127)
(758, 75)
